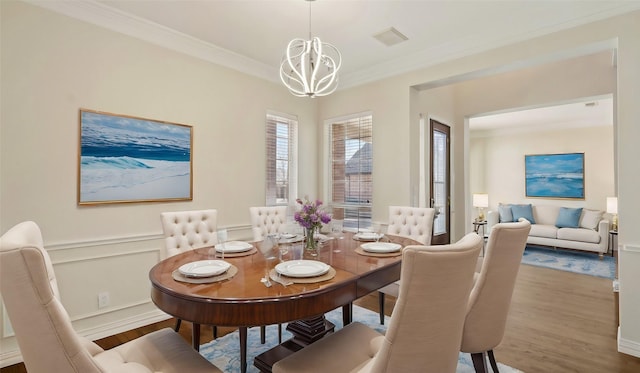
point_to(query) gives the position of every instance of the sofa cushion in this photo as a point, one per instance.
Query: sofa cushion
(546, 214)
(590, 219)
(505, 213)
(569, 217)
(543, 230)
(578, 234)
(522, 211)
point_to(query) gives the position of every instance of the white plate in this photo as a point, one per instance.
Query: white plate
(233, 247)
(367, 236)
(381, 247)
(288, 238)
(302, 268)
(204, 268)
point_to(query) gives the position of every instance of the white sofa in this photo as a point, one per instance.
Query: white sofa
(590, 234)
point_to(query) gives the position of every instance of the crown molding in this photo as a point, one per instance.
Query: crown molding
(116, 20)
(113, 19)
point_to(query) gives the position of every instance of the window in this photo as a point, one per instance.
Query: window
(282, 154)
(350, 144)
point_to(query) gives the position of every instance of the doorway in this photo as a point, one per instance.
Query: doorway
(440, 185)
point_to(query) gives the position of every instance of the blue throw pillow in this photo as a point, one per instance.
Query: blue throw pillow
(505, 213)
(568, 217)
(522, 211)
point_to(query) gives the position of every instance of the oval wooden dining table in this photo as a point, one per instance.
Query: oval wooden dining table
(244, 301)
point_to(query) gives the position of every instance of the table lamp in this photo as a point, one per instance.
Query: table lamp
(612, 208)
(480, 201)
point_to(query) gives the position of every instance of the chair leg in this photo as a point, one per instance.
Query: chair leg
(381, 306)
(178, 323)
(215, 332)
(279, 333)
(479, 362)
(492, 361)
(263, 334)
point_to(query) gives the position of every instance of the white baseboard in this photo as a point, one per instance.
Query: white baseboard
(628, 347)
(101, 331)
(107, 330)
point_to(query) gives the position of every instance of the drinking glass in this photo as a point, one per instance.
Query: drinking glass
(267, 250)
(223, 237)
(377, 229)
(336, 233)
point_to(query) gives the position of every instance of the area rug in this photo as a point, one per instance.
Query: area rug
(224, 352)
(573, 261)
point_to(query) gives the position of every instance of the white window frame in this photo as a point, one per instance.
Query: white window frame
(292, 163)
(328, 174)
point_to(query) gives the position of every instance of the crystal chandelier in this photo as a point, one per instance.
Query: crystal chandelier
(310, 67)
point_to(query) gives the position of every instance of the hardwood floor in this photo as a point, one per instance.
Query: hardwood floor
(559, 322)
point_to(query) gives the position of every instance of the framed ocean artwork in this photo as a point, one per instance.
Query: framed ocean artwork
(124, 159)
(555, 175)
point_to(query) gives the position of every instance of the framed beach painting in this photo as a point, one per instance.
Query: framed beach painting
(124, 159)
(555, 175)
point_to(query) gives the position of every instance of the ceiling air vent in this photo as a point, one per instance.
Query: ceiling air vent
(390, 37)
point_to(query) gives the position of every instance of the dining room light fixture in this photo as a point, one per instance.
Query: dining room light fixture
(310, 67)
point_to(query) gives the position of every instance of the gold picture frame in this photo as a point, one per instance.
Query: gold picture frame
(127, 159)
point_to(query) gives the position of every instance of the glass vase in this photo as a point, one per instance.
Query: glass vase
(310, 243)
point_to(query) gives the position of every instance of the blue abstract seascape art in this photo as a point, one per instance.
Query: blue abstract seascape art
(555, 175)
(127, 159)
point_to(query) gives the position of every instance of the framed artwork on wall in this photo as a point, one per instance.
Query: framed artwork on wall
(125, 159)
(555, 175)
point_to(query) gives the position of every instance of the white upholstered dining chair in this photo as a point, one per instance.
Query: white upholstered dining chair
(490, 297)
(188, 230)
(424, 330)
(412, 222)
(43, 329)
(267, 220)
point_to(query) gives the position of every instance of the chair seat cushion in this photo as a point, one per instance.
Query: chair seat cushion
(358, 339)
(161, 351)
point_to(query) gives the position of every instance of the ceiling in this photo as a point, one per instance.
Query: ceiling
(589, 113)
(251, 35)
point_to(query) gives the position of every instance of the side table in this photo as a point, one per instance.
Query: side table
(613, 241)
(480, 225)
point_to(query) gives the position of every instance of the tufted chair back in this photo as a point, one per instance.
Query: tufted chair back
(188, 230)
(413, 222)
(267, 220)
(43, 329)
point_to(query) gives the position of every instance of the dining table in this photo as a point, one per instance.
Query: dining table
(255, 290)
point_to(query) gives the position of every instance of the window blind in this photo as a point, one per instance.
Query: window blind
(351, 150)
(282, 152)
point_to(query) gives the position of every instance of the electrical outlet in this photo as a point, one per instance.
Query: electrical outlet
(103, 299)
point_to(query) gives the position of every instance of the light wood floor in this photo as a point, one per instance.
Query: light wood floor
(559, 322)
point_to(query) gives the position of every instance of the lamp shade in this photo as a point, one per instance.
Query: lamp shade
(612, 205)
(480, 200)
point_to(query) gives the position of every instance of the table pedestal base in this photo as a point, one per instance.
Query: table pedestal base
(304, 333)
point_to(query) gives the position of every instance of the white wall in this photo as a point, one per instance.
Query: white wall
(53, 65)
(499, 164)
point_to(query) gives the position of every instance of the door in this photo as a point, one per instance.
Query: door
(439, 190)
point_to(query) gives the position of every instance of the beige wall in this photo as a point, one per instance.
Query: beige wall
(499, 164)
(53, 65)
(398, 99)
